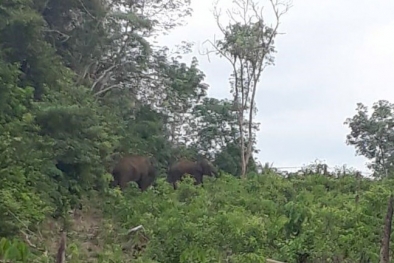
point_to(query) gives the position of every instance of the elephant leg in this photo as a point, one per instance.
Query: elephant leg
(143, 184)
(114, 183)
(173, 179)
(122, 183)
(198, 179)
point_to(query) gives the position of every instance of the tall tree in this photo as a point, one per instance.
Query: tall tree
(373, 136)
(111, 48)
(106, 42)
(181, 89)
(248, 44)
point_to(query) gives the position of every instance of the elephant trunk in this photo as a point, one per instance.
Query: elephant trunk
(215, 172)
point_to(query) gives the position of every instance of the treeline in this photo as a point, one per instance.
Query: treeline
(81, 83)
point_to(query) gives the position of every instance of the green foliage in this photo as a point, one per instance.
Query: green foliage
(229, 160)
(372, 136)
(217, 137)
(216, 124)
(82, 84)
(75, 129)
(314, 217)
(75, 93)
(244, 41)
(20, 162)
(14, 251)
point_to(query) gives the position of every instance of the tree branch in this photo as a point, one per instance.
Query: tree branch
(134, 229)
(102, 76)
(65, 36)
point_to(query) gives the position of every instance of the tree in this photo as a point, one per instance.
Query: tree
(181, 88)
(214, 125)
(60, 116)
(77, 84)
(216, 136)
(23, 185)
(109, 46)
(106, 42)
(373, 136)
(248, 45)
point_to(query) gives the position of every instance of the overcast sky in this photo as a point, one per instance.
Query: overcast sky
(333, 55)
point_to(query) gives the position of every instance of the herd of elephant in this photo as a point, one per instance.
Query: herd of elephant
(142, 170)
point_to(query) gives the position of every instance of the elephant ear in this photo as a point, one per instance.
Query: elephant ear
(200, 168)
(153, 160)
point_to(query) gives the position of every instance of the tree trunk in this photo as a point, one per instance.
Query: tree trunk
(385, 245)
(61, 252)
(242, 146)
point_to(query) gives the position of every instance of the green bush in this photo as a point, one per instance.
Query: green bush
(21, 163)
(263, 216)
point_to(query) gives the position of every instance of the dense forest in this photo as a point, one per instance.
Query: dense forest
(83, 83)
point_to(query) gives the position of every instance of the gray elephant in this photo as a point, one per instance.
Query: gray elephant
(139, 169)
(197, 169)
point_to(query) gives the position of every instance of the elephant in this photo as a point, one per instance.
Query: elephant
(140, 169)
(196, 169)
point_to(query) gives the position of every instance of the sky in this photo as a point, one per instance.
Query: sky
(332, 55)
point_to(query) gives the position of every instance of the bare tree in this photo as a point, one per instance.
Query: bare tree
(248, 44)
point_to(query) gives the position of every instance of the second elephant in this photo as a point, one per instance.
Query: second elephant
(196, 169)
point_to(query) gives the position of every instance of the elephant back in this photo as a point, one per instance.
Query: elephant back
(187, 166)
(134, 165)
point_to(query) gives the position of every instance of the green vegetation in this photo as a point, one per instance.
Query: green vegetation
(230, 220)
(82, 83)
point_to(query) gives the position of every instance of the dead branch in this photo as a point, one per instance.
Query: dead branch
(44, 6)
(65, 36)
(61, 252)
(216, 50)
(25, 235)
(20, 221)
(105, 76)
(385, 243)
(86, 71)
(134, 229)
(107, 89)
(105, 73)
(129, 243)
(27, 239)
(86, 10)
(273, 261)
